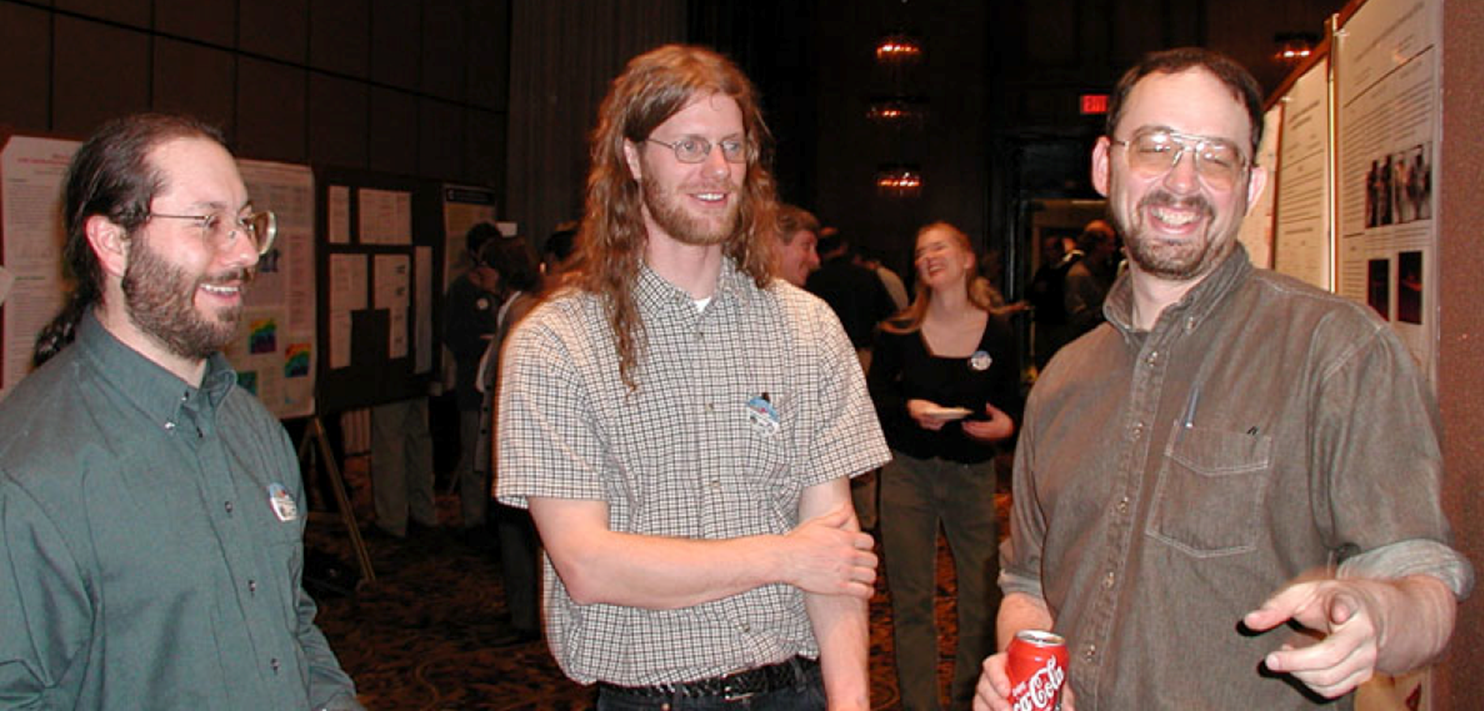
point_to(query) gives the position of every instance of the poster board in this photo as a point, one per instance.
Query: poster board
(381, 258)
(32, 171)
(273, 354)
(1388, 121)
(1256, 233)
(1302, 194)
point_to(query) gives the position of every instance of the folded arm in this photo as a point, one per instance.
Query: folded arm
(825, 554)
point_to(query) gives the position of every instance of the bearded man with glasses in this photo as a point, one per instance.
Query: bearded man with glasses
(151, 511)
(683, 425)
(1230, 451)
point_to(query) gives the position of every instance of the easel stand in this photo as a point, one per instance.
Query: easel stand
(314, 431)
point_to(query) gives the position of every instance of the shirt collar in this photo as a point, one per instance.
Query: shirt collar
(158, 392)
(1193, 308)
(652, 290)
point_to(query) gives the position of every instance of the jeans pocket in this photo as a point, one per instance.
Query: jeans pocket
(1209, 488)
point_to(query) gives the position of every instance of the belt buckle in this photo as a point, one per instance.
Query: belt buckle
(732, 691)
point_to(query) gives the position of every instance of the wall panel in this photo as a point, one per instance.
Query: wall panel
(270, 111)
(25, 67)
(209, 21)
(338, 118)
(101, 71)
(196, 80)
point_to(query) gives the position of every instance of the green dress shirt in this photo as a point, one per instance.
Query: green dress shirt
(151, 543)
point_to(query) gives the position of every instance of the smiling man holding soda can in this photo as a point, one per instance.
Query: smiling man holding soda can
(1267, 452)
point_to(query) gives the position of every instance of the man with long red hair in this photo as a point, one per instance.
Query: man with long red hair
(682, 425)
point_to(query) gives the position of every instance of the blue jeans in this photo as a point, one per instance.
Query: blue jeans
(806, 695)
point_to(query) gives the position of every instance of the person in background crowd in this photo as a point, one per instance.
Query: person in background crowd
(1227, 496)
(682, 425)
(151, 512)
(798, 235)
(946, 385)
(558, 248)
(469, 324)
(1047, 297)
(889, 279)
(1089, 278)
(518, 287)
(854, 292)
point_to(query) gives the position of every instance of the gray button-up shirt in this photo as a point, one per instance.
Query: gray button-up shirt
(1167, 482)
(151, 538)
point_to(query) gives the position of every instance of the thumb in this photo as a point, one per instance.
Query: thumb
(1341, 608)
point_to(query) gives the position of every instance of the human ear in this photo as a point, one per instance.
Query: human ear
(1101, 165)
(631, 156)
(109, 242)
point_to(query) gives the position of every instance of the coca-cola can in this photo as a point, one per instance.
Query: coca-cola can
(1037, 664)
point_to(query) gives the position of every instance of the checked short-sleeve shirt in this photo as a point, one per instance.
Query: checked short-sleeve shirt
(688, 455)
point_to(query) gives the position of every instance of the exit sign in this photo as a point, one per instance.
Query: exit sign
(1094, 103)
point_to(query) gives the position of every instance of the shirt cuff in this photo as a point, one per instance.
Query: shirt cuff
(1014, 583)
(1418, 556)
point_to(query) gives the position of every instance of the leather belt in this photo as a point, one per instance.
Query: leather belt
(738, 685)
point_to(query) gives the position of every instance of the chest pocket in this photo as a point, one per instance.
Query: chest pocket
(1210, 486)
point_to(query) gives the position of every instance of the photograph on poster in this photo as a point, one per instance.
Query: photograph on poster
(1378, 287)
(1398, 187)
(1409, 287)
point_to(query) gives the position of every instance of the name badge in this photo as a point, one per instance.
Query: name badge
(762, 415)
(283, 504)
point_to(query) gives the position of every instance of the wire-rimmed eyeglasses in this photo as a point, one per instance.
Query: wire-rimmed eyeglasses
(694, 149)
(1154, 151)
(221, 230)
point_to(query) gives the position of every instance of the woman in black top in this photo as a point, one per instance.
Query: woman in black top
(945, 381)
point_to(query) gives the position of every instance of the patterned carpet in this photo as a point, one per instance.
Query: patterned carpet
(420, 638)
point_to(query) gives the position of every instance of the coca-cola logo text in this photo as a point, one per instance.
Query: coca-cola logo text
(1038, 693)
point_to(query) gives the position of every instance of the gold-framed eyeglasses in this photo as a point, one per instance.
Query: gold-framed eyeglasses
(221, 230)
(1155, 151)
(694, 149)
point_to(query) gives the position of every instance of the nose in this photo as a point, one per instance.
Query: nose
(716, 162)
(1182, 176)
(240, 250)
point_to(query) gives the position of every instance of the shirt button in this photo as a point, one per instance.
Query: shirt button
(252, 587)
(169, 426)
(274, 663)
(1153, 358)
(228, 506)
(1108, 581)
(710, 407)
(1091, 653)
(1138, 430)
(1122, 505)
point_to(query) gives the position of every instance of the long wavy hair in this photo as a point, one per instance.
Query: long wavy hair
(610, 244)
(110, 175)
(981, 292)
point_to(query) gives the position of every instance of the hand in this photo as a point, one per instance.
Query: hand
(993, 691)
(918, 410)
(827, 555)
(1345, 615)
(999, 425)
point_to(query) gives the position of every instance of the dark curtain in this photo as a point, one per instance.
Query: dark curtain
(563, 55)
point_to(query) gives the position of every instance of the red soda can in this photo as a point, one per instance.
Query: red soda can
(1037, 664)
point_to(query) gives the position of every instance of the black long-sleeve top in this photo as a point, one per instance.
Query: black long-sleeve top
(902, 368)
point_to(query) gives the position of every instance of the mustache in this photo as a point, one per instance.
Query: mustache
(1164, 198)
(243, 275)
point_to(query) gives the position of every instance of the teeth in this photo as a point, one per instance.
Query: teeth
(710, 196)
(223, 290)
(1176, 219)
